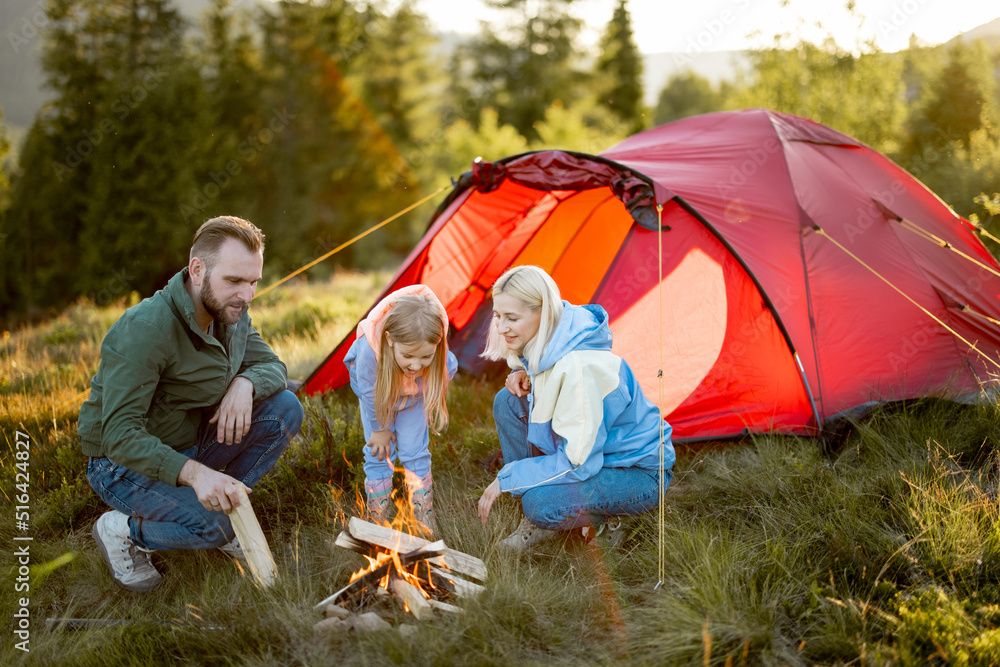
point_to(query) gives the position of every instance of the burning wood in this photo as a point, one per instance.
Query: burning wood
(419, 573)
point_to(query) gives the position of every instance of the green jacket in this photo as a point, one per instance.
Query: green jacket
(154, 386)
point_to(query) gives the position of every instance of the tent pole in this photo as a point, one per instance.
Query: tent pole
(767, 300)
(805, 381)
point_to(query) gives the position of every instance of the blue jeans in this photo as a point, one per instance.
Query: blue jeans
(165, 517)
(611, 492)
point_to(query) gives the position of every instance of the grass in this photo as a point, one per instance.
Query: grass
(776, 552)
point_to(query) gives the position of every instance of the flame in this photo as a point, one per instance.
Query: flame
(418, 574)
(404, 521)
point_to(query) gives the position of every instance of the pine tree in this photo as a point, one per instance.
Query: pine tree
(93, 208)
(619, 71)
(393, 74)
(961, 99)
(686, 94)
(231, 178)
(524, 66)
(5, 166)
(333, 170)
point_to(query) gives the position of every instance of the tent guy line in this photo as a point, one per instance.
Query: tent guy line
(767, 326)
(820, 231)
(661, 538)
(354, 240)
(938, 241)
(82, 396)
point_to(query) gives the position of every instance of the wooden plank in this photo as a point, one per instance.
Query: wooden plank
(444, 606)
(387, 538)
(452, 582)
(345, 541)
(425, 552)
(252, 541)
(415, 601)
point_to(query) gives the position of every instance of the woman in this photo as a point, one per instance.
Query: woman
(580, 441)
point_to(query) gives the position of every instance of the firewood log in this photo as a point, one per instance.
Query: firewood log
(252, 541)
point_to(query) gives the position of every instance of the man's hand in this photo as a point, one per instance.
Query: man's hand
(381, 444)
(235, 411)
(489, 497)
(518, 383)
(216, 491)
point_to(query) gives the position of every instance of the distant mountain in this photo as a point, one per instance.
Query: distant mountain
(716, 66)
(988, 32)
(22, 90)
(22, 82)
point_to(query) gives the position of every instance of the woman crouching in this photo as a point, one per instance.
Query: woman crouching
(580, 441)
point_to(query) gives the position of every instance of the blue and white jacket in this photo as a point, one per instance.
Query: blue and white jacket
(586, 409)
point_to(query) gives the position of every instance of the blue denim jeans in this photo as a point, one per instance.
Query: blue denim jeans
(611, 492)
(165, 517)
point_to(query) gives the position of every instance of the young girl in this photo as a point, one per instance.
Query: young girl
(585, 449)
(400, 367)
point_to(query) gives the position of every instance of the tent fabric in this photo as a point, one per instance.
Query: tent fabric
(803, 274)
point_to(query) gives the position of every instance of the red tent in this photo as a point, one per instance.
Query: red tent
(803, 273)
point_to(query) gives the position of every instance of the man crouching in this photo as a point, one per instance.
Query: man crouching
(188, 404)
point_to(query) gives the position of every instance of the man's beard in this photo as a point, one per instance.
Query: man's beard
(216, 308)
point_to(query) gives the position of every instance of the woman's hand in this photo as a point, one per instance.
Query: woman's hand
(489, 497)
(518, 383)
(381, 444)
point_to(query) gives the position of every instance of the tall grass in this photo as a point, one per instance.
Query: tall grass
(885, 551)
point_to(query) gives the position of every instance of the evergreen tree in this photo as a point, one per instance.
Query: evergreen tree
(93, 207)
(332, 170)
(230, 178)
(619, 71)
(524, 66)
(394, 76)
(5, 167)
(686, 94)
(961, 99)
(861, 96)
(954, 142)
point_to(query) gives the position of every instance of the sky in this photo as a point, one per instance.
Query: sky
(722, 25)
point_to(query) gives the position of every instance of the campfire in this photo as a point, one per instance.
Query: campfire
(418, 575)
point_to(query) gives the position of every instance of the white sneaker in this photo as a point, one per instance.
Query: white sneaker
(130, 566)
(527, 534)
(234, 549)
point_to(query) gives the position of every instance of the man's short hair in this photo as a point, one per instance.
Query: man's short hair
(213, 233)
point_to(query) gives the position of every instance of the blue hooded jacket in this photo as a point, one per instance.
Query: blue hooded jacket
(587, 410)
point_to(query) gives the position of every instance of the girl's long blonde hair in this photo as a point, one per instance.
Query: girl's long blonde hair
(535, 290)
(414, 319)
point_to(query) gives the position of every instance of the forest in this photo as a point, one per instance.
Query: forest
(319, 119)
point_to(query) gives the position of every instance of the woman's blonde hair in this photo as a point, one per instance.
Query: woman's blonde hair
(414, 319)
(535, 290)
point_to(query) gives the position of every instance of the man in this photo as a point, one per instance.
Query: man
(188, 404)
